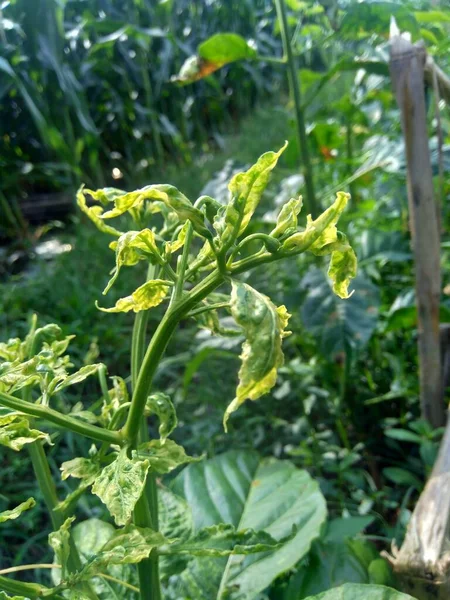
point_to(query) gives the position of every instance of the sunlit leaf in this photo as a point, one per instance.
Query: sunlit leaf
(164, 457)
(264, 328)
(342, 269)
(161, 405)
(147, 296)
(95, 213)
(120, 485)
(178, 242)
(130, 248)
(8, 515)
(246, 190)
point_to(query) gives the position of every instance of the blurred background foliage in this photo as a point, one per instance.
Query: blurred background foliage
(85, 95)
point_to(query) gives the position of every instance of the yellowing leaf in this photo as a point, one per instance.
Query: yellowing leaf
(264, 327)
(147, 296)
(320, 231)
(60, 542)
(130, 248)
(15, 432)
(80, 468)
(164, 457)
(246, 190)
(178, 242)
(343, 267)
(95, 214)
(287, 219)
(120, 485)
(8, 515)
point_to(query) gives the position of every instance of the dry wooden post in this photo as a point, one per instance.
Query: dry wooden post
(407, 71)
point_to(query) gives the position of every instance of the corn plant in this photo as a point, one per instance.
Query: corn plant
(283, 510)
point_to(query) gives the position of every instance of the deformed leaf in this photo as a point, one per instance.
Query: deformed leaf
(342, 269)
(128, 546)
(246, 190)
(95, 213)
(264, 327)
(161, 405)
(4, 596)
(80, 468)
(164, 457)
(78, 376)
(147, 296)
(15, 432)
(321, 231)
(178, 242)
(130, 248)
(287, 218)
(118, 396)
(223, 540)
(8, 515)
(60, 542)
(120, 485)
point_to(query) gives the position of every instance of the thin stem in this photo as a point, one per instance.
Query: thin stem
(103, 383)
(294, 83)
(65, 421)
(29, 568)
(181, 271)
(202, 309)
(157, 347)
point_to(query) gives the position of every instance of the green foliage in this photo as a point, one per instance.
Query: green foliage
(7, 515)
(351, 591)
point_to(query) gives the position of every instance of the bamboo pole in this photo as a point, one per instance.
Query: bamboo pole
(407, 63)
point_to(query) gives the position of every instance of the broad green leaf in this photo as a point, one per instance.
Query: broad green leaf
(174, 515)
(355, 591)
(264, 327)
(287, 219)
(78, 376)
(15, 432)
(223, 540)
(120, 485)
(217, 51)
(321, 231)
(246, 190)
(161, 405)
(330, 564)
(95, 214)
(8, 515)
(164, 457)
(264, 495)
(170, 196)
(374, 17)
(60, 542)
(80, 468)
(402, 477)
(339, 325)
(147, 296)
(130, 248)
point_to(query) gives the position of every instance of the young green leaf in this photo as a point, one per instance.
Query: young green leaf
(120, 485)
(130, 248)
(147, 296)
(95, 214)
(178, 242)
(8, 515)
(60, 542)
(217, 51)
(264, 327)
(161, 405)
(15, 432)
(287, 218)
(78, 376)
(246, 190)
(164, 457)
(118, 396)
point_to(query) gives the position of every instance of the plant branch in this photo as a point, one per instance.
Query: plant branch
(65, 421)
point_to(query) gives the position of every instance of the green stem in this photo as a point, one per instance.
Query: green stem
(182, 265)
(29, 590)
(64, 421)
(203, 309)
(294, 83)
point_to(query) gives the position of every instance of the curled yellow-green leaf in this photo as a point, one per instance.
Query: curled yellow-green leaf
(287, 218)
(147, 296)
(95, 213)
(264, 327)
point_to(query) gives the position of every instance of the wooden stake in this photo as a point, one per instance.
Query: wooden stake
(407, 72)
